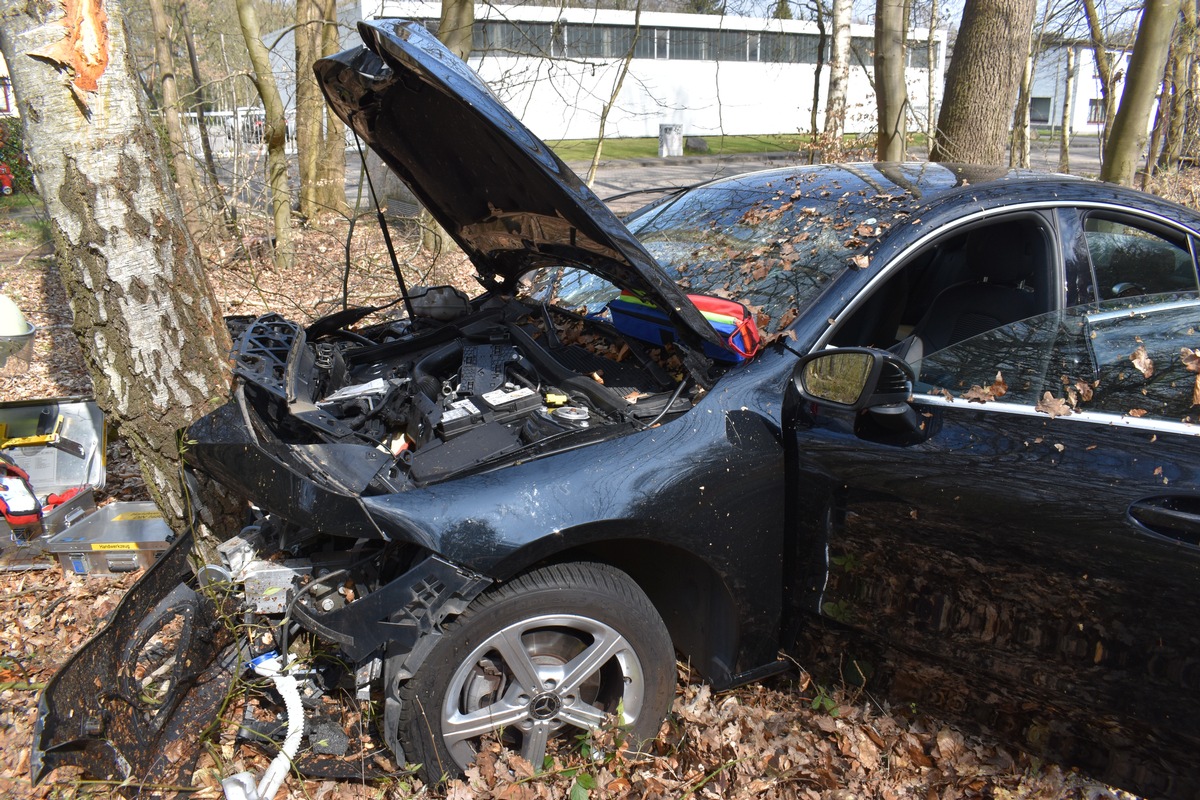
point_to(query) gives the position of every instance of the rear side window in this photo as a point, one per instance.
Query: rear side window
(1130, 260)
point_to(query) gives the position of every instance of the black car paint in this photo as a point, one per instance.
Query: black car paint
(740, 516)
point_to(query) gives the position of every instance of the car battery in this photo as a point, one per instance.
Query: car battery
(119, 538)
(60, 444)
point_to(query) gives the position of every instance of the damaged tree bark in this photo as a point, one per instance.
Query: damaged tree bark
(145, 317)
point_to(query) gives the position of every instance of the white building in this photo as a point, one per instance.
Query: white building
(1048, 91)
(557, 67)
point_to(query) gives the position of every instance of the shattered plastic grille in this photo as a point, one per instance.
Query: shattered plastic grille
(261, 353)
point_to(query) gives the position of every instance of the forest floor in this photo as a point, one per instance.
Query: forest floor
(790, 738)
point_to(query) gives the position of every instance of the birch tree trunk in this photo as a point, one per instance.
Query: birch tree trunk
(839, 76)
(191, 189)
(1127, 136)
(148, 324)
(931, 53)
(891, 91)
(1064, 146)
(307, 35)
(1018, 148)
(331, 169)
(981, 82)
(274, 133)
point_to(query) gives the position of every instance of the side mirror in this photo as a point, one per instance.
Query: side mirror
(854, 378)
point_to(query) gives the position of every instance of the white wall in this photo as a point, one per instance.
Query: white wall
(1050, 78)
(563, 99)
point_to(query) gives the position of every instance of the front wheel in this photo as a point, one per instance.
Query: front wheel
(553, 652)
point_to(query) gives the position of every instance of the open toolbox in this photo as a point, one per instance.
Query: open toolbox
(54, 450)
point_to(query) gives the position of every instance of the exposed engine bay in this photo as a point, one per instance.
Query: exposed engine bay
(457, 388)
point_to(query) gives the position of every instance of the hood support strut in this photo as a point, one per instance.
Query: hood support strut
(387, 236)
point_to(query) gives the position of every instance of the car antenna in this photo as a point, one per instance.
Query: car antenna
(387, 236)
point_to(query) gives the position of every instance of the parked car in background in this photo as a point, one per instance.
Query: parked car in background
(944, 417)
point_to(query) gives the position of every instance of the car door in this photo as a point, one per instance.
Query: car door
(1034, 540)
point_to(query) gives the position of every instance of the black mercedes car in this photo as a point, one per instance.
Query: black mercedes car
(941, 420)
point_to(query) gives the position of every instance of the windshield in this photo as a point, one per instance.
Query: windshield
(773, 245)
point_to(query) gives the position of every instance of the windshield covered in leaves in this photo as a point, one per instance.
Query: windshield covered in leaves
(771, 242)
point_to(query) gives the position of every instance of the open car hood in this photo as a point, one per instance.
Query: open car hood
(509, 202)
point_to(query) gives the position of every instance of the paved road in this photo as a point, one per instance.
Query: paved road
(619, 177)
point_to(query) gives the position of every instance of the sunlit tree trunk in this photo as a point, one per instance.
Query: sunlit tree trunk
(331, 170)
(1104, 70)
(891, 91)
(982, 80)
(1185, 52)
(1064, 145)
(148, 324)
(307, 35)
(275, 134)
(1018, 150)
(454, 29)
(839, 74)
(931, 52)
(191, 190)
(1127, 136)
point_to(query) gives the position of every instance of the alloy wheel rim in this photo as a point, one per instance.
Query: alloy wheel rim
(538, 677)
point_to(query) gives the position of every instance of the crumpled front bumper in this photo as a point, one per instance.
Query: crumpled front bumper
(95, 712)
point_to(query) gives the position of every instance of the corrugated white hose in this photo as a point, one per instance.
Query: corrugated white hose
(241, 786)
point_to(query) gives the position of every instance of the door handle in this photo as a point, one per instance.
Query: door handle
(1172, 517)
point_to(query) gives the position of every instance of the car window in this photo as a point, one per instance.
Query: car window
(960, 285)
(1128, 260)
(1137, 358)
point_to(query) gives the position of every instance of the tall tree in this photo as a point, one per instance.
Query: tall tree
(1185, 53)
(309, 103)
(455, 31)
(839, 74)
(1104, 68)
(891, 90)
(981, 82)
(210, 163)
(147, 321)
(1064, 145)
(822, 44)
(191, 189)
(275, 133)
(931, 60)
(455, 26)
(1127, 136)
(331, 172)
